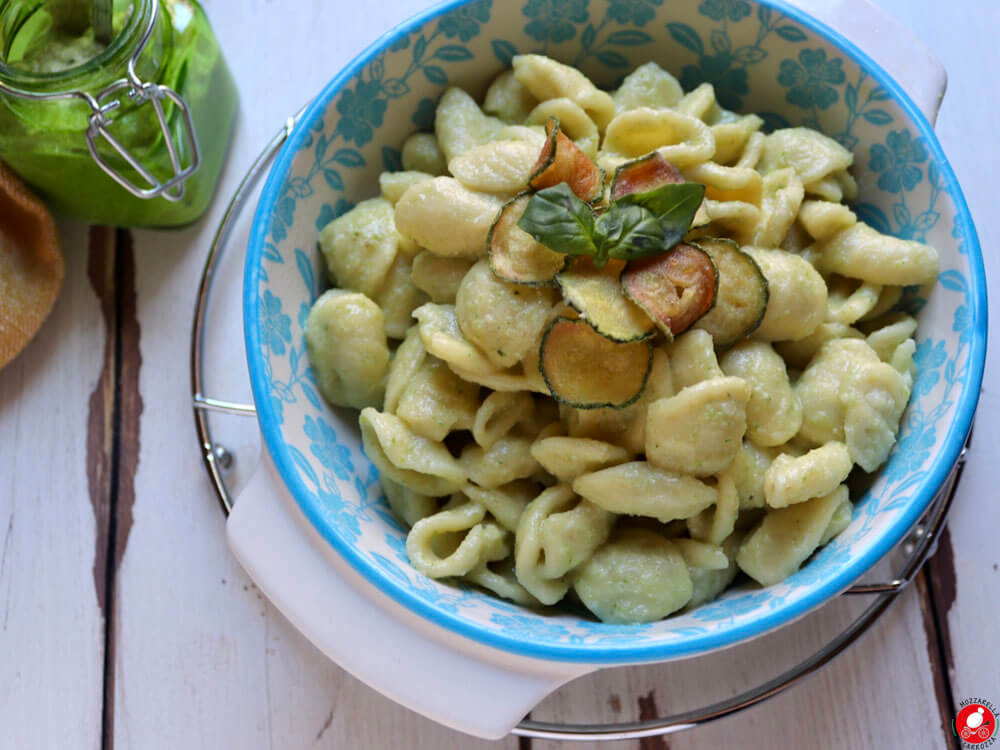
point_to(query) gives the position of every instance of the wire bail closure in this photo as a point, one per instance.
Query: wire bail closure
(140, 93)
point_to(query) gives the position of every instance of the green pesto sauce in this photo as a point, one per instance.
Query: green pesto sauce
(44, 141)
(61, 52)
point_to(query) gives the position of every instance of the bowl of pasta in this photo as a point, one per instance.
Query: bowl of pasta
(588, 334)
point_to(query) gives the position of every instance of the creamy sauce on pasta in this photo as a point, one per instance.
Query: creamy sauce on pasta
(730, 459)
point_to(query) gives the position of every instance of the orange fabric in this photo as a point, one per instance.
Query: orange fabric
(31, 265)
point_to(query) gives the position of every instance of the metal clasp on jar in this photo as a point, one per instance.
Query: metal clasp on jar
(141, 93)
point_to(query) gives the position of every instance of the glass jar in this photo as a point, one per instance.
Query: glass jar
(134, 134)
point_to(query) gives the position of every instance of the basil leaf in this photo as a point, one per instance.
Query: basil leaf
(674, 206)
(560, 221)
(627, 232)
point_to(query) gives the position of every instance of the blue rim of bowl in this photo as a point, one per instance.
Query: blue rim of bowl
(615, 652)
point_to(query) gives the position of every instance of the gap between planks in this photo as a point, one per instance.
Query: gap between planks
(113, 420)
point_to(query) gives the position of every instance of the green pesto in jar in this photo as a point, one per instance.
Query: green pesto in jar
(44, 142)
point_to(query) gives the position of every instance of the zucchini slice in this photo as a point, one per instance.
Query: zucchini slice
(562, 160)
(742, 296)
(515, 255)
(597, 295)
(674, 289)
(644, 174)
(586, 370)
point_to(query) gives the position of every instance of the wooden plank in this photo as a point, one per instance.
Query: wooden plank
(965, 573)
(54, 461)
(202, 659)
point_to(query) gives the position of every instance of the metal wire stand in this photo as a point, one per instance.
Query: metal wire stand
(919, 544)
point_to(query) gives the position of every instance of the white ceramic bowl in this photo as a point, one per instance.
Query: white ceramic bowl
(763, 57)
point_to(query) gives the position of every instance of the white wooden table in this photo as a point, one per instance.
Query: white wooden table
(125, 622)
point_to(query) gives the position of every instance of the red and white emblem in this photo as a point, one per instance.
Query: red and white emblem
(976, 724)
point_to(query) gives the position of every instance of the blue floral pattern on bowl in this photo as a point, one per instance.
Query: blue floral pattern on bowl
(761, 56)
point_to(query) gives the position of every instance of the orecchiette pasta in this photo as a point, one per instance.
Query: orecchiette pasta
(811, 154)
(702, 554)
(848, 301)
(360, 246)
(823, 219)
(439, 277)
(698, 431)
(528, 553)
(796, 304)
(607, 425)
(854, 398)
(660, 384)
(840, 521)
(729, 183)
(570, 537)
(499, 167)
(460, 124)
(501, 319)
(501, 579)
(872, 410)
(749, 469)
(547, 79)
(509, 99)
(639, 488)
(437, 401)
(715, 524)
(865, 253)
(393, 184)
(692, 359)
(736, 452)
(785, 538)
(445, 217)
(752, 151)
(797, 354)
(403, 366)
(791, 480)
(649, 85)
(737, 218)
(683, 140)
(732, 140)
(782, 198)
(498, 414)
(706, 584)
(887, 300)
(573, 121)
(505, 503)
(408, 458)
(345, 337)
(442, 337)
(435, 551)
(893, 332)
(700, 102)
(773, 413)
(399, 297)
(408, 505)
(637, 576)
(509, 458)
(566, 458)
(421, 153)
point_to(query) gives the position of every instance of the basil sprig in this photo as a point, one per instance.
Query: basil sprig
(634, 226)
